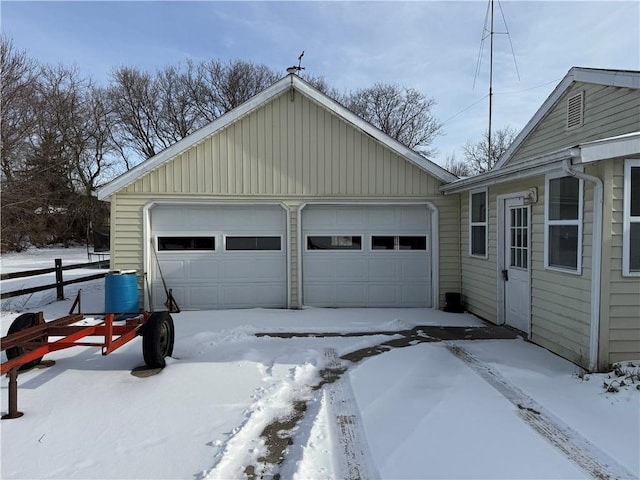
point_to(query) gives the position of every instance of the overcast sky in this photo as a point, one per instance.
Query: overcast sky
(431, 46)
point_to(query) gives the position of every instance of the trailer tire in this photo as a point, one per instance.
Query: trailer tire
(157, 339)
(23, 321)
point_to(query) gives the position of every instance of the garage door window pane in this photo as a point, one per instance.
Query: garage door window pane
(186, 243)
(334, 242)
(253, 243)
(381, 242)
(412, 243)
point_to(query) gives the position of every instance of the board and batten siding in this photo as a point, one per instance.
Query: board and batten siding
(287, 148)
(291, 152)
(608, 112)
(620, 308)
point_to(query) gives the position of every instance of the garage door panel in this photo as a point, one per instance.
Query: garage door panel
(217, 278)
(203, 269)
(382, 269)
(396, 275)
(235, 296)
(384, 294)
(320, 295)
(201, 296)
(321, 270)
(351, 295)
(173, 269)
(383, 219)
(351, 269)
(350, 218)
(413, 269)
(413, 293)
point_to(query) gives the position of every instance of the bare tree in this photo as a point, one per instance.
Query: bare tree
(18, 75)
(135, 101)
(402, 113)
(459, 168)
(217, 87)
(477, 153)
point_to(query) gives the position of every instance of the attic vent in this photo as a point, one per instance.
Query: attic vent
(575, 107)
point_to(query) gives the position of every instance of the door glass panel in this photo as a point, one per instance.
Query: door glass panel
(518, 238)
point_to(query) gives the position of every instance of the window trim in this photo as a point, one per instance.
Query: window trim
(484, 224)
(247, 235)
(577, 222)
(628, 219)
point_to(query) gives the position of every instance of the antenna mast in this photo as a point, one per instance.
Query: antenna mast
(490, 83)
(491, 32)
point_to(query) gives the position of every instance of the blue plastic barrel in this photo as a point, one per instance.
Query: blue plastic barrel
(121, 292)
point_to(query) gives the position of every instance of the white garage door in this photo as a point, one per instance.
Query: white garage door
(374, 256)
(220, 257)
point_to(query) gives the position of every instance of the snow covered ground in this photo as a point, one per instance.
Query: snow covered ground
(456, 409)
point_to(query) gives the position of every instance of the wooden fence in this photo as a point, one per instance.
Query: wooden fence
(60, 282)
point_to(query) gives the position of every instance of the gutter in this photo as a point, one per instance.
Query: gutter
(596, 259)
(528, 168)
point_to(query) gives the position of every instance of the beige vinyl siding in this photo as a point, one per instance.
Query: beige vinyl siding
(560, 302)
(479, 274)
(608, 111)
(449, 246)
(287, 148)
(290, 152)
(620, 308)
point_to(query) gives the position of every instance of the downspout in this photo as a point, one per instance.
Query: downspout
(596, 258)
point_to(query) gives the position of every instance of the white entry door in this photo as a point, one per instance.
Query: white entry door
(517, 259)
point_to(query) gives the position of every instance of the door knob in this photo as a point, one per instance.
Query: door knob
(505, 275)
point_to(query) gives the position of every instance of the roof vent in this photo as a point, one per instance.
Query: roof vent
(575, 108)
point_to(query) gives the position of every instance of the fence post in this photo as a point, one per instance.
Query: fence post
(59, 286)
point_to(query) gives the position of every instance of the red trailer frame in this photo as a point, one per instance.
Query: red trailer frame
(26, 346)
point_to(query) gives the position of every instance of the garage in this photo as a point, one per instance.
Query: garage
(366, 256)
(215, 257)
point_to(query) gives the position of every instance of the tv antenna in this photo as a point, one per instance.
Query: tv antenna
(295, 69)
(490, 33)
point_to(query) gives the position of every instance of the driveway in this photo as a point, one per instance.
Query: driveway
(322, 393)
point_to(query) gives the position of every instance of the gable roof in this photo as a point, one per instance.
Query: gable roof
(613, 78)
(291, 81)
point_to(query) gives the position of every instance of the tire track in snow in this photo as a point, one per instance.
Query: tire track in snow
(352, 455)
(572, 444)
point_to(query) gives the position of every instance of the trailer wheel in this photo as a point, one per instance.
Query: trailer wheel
(23, 321)
(157, 339)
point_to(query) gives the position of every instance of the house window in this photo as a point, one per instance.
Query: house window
(631, 229)
(166, 244)
(478, 223)
(563, 223)
(252, 243)
(334, 242)
(398, 242)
